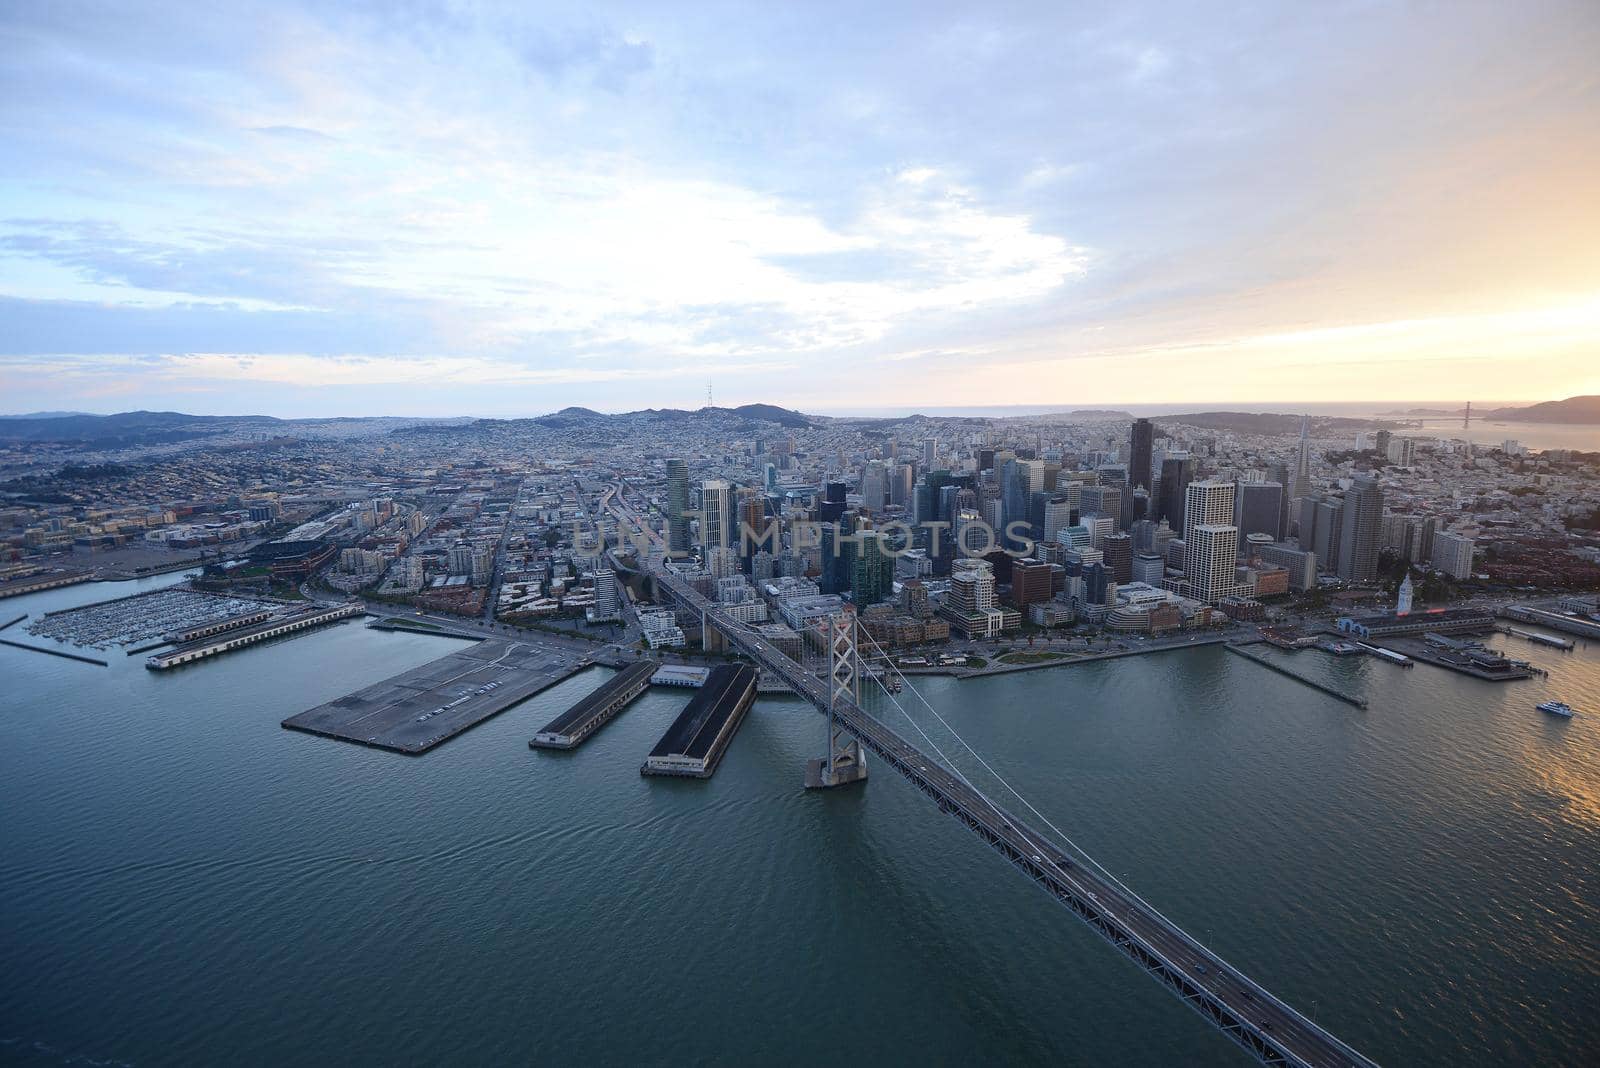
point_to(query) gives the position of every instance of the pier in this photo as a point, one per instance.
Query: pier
(595, 709)
(1349, 699)
(1466, 657)
(19, 587)
(1541, 639)
(694, 744)
(227, 642)
(13, 622)
(418, 709)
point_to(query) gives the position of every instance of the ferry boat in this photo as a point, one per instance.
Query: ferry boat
(1556, 708)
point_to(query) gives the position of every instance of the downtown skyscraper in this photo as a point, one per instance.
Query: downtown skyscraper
(1140, 440)
(1362, 533)
(677, 507)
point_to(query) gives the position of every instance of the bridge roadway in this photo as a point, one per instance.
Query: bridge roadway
(1247, 1013)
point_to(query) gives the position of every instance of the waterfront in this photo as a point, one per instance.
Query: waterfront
(185, 880)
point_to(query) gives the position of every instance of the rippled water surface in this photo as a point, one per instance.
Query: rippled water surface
(183, 881)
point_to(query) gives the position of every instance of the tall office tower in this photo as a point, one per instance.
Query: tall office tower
(1258, 509)
(1077, 536)
(1014, 491)
(769, 478)
(1381, 441)
(677, 507)
(901, 479)
(1030, 582)
(755, 530)
(1100, 527)
(831, 558)
(1144, 536)
(985, 459)
(972, 534)
(1101, 500)
(1137, 506)
(831, 508)
(872, 579)
(716, 512)
(1177, 471)
(1072, 490)
(1140, 439)
(1208, 503)
(1362, 532)
(1210, 559)
(1327, 526)
(1118, 549)
(1117, 475)
(1058, 513)
(874, 483)
(1148, 568)
(928, 495)
(1452, 554)
(1301, 486)
(1279, 473)
(930, 453)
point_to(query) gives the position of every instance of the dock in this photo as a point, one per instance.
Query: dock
(595, 709)
(421, 708)
(1349, 699)
(13, 622)
(694, 744)
(260, 632)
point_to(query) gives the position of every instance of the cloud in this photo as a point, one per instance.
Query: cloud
(851, 192)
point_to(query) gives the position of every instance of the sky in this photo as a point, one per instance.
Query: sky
(419, 208)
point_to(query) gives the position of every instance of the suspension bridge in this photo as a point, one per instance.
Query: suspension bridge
(1244, 1011)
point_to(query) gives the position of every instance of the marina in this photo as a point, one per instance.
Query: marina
(419, 709)
(173, 615)
(595, 709)
(694, 744)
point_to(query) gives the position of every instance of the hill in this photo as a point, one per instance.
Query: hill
(1572, 410)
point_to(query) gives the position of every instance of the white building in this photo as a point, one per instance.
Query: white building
(1452, 554)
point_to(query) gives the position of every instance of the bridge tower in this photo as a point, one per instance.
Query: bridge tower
(844, 762)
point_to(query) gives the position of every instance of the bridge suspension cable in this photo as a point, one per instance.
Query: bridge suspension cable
(1062, 835)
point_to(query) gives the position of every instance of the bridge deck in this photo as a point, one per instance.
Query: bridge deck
(1243, 1010)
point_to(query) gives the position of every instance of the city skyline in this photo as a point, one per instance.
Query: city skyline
(303, 211)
